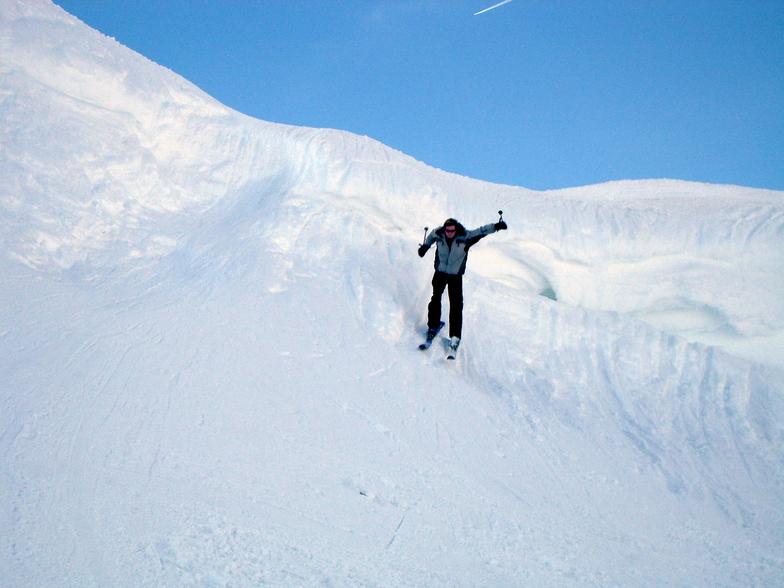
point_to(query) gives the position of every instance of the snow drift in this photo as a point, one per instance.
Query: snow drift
(208, 372)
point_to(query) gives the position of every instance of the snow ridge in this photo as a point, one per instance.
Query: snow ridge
(208, 372)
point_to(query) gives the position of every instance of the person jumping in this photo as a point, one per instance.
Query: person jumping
(452, 242)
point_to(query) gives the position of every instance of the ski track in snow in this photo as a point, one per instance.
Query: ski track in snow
(209, 373)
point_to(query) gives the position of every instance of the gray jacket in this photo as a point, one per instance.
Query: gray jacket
(451, 257)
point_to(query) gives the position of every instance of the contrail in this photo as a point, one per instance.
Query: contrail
(493, 6)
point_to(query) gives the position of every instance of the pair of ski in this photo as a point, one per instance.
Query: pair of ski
(431, 335)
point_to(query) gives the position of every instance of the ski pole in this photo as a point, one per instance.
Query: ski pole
(500, 216)
(425, 237)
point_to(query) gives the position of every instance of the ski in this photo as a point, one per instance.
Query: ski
(431, 335)
(455, 343)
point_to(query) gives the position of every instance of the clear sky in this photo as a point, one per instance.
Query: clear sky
(543, 94)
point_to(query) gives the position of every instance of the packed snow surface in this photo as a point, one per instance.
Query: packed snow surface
(209, 373)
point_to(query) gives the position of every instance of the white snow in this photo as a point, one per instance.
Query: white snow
(209, 374)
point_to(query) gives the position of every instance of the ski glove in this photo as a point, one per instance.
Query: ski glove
(422, 250)
(500, 226)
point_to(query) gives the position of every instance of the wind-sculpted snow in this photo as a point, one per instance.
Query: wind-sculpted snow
(209, 374)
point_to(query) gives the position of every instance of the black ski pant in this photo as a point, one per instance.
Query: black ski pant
(455, 284)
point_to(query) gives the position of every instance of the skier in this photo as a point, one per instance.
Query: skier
(452, 242)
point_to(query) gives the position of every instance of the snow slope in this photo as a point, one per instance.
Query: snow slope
(208, 373)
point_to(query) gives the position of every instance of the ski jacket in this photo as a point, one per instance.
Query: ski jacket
(451, 257)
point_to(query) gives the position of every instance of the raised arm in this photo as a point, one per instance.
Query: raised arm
(486, 230)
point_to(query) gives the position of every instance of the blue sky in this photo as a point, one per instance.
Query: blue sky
(543, 94)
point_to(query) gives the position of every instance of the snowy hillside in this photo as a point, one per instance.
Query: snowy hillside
(209, 374)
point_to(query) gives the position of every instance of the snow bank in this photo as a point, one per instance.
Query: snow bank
(208, 374)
